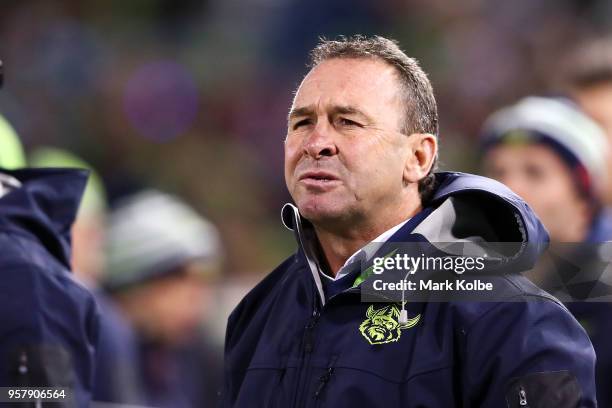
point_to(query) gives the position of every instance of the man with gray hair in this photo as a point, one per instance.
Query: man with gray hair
(360, 152)
(163, 260)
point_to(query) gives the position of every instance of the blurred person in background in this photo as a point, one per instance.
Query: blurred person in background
(587, 78)
(162, 260)
(115, 372)
(49, 325)
(554, 156)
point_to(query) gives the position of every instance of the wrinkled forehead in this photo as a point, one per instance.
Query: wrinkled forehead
(365, 82)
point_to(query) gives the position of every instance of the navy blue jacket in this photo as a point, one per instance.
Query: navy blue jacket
(48, 321)
(290, 343)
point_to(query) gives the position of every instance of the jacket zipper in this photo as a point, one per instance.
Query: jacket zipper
(308, 346)
(300, 399)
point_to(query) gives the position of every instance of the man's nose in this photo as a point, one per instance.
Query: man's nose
(320, 142)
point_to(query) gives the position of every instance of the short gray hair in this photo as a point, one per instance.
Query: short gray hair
(421, 111)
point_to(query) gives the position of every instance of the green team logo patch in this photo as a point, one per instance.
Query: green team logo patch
(382, 325)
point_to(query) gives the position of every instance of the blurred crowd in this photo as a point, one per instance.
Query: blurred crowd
(179, 109)
(161, 92)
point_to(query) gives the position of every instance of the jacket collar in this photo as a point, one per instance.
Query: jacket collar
(44, 206)
(305, 236)
(307, 242)
(8, 184)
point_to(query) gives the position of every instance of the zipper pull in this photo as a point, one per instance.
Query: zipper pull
(324, 379)
(523, 398)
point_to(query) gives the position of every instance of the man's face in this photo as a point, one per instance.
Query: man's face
(545, 182)
(88, 246)
(168, 309)
(344, 154)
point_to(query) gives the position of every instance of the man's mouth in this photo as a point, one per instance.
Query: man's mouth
(318, 179)
(318, 176)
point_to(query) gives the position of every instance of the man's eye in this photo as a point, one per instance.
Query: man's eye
(300, 123)
(347, 122)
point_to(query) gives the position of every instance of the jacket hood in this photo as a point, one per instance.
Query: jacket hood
(479, 211)
(44, 206)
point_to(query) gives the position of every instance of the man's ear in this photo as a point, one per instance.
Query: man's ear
(423, 151)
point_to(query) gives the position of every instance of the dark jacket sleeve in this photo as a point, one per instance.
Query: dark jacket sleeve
(528, 354)
(48, 330)
(116, 367)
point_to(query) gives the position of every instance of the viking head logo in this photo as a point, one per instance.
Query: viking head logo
(382, 325)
